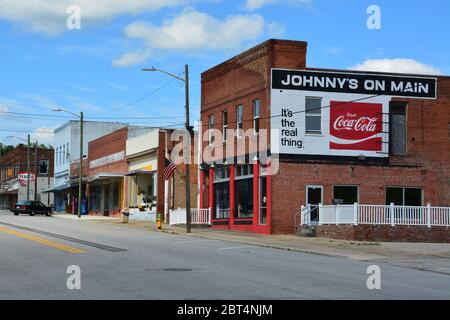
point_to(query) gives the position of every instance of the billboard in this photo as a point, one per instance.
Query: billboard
(331, 114)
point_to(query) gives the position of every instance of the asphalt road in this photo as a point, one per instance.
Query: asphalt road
(119, 262)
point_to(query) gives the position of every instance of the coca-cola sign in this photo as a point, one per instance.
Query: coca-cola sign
(23, 178)
(356, 126)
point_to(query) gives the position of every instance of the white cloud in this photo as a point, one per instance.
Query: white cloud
(3, 108)
(192, 30)
(397, 66)
(276, 30)
(50, 16)
(257, 4)
(43, 135)
(131, 58)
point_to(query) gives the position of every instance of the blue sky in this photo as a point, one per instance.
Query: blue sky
(97, 69)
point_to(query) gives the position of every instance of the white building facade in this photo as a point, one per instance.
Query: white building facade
(67, 151)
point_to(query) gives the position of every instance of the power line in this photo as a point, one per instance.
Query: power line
(139, 99)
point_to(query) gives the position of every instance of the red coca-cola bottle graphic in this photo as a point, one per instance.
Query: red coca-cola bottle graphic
(356, 126)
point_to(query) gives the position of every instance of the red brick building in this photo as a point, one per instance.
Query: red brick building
(14, 163)
(391, 144)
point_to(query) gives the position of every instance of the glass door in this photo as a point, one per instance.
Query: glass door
(263, 200)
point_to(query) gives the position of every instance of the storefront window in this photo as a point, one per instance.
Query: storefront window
(222, 200)
(244, 198)
(222, 193)
(345, 194)
(404, 196)
(244, 191)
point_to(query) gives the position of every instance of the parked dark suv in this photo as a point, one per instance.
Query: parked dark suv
(31, 208)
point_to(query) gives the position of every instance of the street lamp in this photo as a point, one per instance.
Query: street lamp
(81, 155)
(188, 130)
(28, 165)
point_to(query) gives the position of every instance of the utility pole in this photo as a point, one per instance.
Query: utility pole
(28, 169)
(81, 165)
(188, 132)
(35, 170)
(187, 156)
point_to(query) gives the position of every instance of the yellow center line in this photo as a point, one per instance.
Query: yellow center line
(42, 241)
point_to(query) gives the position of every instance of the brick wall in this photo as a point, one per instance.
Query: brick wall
(386, 233)
(17, 161)
(246, 77)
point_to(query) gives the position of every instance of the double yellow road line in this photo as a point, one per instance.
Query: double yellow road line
(43, 241)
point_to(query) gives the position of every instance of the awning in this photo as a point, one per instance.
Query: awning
(136, 172)
(105, 176)
(60, 188)
(12, 192)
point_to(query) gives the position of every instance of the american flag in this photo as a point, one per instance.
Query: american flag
(169, 169)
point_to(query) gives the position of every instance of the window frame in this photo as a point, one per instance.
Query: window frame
(347, 185)
(224, 126)
(210, 128)
(239, 122)
(405, 105)
(256, 105)
(317, 115)
(404, 194)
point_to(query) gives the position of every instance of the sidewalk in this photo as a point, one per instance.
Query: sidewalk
(424, 256)
(84, 217)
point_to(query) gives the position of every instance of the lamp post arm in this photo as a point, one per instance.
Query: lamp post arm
(168, 73)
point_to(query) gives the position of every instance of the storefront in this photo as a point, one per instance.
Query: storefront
(142, 191)
(239, 196)
(105, 194)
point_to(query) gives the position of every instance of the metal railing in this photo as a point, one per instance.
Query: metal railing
(198, 216)
(377, 215)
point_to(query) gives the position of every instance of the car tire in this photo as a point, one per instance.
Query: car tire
(32, 213)
(16, 213)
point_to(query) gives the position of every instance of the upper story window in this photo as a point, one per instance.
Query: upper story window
(210, 128)
(224, 125)
(68, 153)
(313, 115)
(239, 118)
(43, 166)
(64, 154)
(397, 128)
(256, 115)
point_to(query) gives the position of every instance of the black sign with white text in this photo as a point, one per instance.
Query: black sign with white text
(357, 83)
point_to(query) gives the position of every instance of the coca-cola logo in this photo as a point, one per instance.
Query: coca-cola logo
(356, 126)
(350, 122)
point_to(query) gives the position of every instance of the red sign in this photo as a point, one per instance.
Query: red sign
(23, 178)
(356, 126)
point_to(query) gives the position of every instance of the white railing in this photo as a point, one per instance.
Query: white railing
(201, 216)
(378, 215)
(198, 216)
